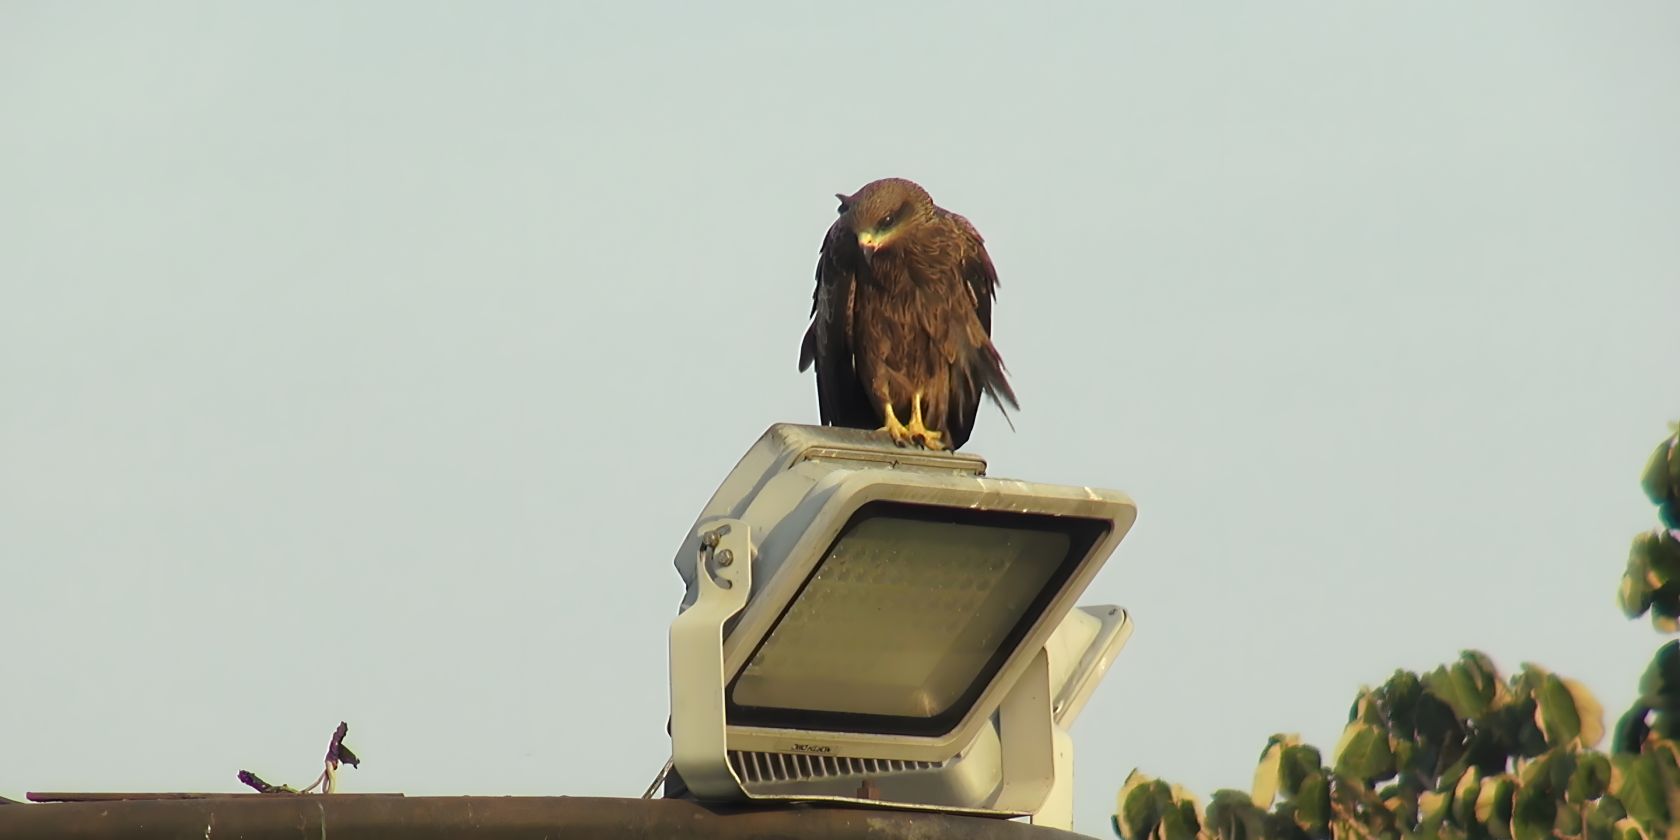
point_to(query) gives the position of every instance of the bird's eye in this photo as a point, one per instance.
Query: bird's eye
(841, 211)
(887, 222)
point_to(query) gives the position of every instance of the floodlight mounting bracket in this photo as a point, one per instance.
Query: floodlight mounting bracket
(699, 738)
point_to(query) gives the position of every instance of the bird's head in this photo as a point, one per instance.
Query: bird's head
(883, 211)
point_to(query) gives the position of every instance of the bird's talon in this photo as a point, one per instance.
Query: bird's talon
(896, 431)
(924, 436)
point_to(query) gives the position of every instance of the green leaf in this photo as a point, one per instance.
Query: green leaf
(1666, 755)
(1363, 753)
(1312, 804)
(1665, 611)
(1631, 730)
(1568, 822)
(1182, 797)
(1134, 780)
(1480, 666)
(1669, 511)
(1662, 557)
(1434, 806)
(1661, 552)
(1652, 578)
(1439, 733)
(1628, 829)
(1590, 711)
(1267, 773)
(1527, 681)
(1465, 796)
(1549, 773)
(1638, 783)
(1299, 762)
(1493, 804)
(1365, 708)
(1227, 798)
(1661, 481)
(1600, 820)
(1179, 823)
(1527, 739)
(1556, 714)
(1405, 753)
(1533, 813)
(1508, 731)
(1141, 802)
(1665, 726)
(1674, 462)
(1590, 780)
(1402, 802)
(1233, 816)
(1399, 698)
(1660, 684)
(1469, 686)
(1611, 807)
(1637, 588)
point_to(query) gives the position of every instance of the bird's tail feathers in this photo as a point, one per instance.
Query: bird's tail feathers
(808, 348)
(994, 379)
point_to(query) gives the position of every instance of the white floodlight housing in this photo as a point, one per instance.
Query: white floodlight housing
(889, 626)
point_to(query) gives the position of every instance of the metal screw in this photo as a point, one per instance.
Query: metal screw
(725, 557)
(710, 538)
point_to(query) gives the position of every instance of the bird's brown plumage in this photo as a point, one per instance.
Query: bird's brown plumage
(903, 306)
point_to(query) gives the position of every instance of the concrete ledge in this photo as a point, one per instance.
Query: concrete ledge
(373, 817)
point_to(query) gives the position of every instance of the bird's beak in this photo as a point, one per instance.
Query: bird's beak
(868, 243)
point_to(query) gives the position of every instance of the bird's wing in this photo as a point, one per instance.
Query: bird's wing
(841, 399)
(976, 266)
(968, 325)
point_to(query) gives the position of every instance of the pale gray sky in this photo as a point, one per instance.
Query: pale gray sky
(369, 361)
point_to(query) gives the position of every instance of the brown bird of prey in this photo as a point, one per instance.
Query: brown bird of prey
(901, 320)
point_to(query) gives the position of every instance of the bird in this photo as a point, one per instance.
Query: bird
(901, 320)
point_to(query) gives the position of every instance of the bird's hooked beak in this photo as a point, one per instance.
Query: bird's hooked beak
(869, 243)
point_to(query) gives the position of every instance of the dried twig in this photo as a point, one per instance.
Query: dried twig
(337, 754)
(252, 780)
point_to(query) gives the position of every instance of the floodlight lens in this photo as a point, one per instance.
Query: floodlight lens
(908, 614)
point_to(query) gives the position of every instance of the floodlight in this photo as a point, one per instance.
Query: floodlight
(889, 626)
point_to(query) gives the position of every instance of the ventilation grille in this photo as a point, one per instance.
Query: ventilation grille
(761, 767)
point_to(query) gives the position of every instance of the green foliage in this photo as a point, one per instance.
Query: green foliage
(1652, 580)
(1459, 752)
(1464, 753)
(1662, 480)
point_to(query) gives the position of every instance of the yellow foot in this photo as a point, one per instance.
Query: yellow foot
(920, 433)
(896, 430)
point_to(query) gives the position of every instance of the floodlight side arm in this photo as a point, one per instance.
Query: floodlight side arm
(1057, 810)
(1025, 730)
(699, 744)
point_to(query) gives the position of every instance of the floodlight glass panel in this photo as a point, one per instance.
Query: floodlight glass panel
(906, 618)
